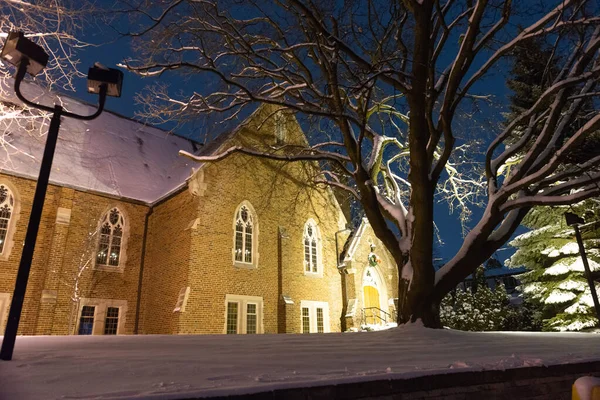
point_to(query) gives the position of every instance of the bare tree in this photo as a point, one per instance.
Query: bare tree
(76, 280)
(391, 79)
(56, 26)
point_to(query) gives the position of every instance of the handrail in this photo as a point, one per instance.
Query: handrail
(377, 308)
(373, 314)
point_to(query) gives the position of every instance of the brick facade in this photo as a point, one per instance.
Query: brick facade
(188, 250)
(60, 245)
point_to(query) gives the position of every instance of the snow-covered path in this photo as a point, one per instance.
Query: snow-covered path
(172, 367)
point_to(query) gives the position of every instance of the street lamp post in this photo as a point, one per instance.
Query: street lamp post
(574, 221)
(30, 58)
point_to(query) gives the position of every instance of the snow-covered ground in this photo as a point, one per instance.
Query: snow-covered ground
(172, 367)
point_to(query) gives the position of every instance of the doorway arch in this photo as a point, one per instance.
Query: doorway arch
(374, 296)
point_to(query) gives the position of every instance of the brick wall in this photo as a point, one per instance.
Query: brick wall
(189, 244)
(166, 268)
(281, 199)
(58, 253)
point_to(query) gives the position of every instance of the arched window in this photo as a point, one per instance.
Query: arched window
(245, 235)
(110, 240)
(280, 128)
(7, 205)
(311, 250)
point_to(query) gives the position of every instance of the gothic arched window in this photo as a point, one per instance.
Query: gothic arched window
(311, 250)
(7, 205)
(280, 128)
(245, 235)
(110, 238)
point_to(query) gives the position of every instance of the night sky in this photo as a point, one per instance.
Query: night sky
(111, 50)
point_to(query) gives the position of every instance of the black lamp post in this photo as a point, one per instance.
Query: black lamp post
(30, 58)
(574, 221)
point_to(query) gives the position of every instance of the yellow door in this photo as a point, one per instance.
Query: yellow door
(371, 305)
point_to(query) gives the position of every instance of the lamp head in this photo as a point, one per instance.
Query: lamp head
(17, 48)
(573, 219)
(100, 75)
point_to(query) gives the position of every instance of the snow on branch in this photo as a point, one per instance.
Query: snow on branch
(57, 27)
(399, 123)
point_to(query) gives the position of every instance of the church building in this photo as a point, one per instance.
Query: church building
(136, 239)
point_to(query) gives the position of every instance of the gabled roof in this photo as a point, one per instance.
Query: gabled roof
(353, 240)
(111, 154)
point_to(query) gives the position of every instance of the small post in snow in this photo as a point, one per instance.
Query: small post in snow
(574, 221)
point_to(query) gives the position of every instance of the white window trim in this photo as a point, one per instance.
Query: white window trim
(312, 312)
(124, 241)
(101, 306)
(182, 299)
(255, 236)
(4, 307)
(12, 223)
(319, 273)
(280, 128)
(243, 301)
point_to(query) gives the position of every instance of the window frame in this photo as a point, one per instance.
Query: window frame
(100, 313)
(316, 236)
(4, 308)
(112, 317)
(280, 128)
(253, 218)
(242, 313)
(123, 245)
(93, 317)
(182, 299)
(312, 307)
(15, 213)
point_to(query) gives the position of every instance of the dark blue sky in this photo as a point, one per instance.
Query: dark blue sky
(115, 50)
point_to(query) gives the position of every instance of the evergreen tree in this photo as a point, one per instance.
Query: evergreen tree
(531, 73)
(482, 309)
(556, 278)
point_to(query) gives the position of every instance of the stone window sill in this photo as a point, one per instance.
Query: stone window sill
(243, 265)
(108, 268)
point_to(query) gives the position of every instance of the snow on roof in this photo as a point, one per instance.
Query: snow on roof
(502, 271)
(111, 154)
(186, 366)
(355, 239)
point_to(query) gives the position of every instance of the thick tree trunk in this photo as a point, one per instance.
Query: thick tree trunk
(419, 294)
(414, 305)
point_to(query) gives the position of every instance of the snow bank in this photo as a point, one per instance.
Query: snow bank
(175, 367)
